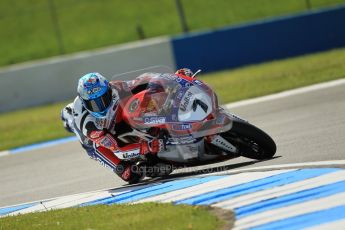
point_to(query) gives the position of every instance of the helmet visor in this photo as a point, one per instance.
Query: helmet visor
(99, 104)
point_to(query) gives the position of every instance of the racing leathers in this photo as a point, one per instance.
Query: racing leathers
(98, 136)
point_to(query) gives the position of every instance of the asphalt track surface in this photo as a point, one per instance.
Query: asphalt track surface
(307, 127)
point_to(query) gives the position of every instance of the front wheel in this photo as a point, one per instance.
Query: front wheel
(251, 141)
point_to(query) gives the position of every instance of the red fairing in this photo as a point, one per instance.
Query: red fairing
(131, 108)
(140, 104)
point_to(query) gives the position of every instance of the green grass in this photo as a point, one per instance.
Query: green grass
(43, 123)
(138, 216)
(27, 30)
(31, 126)
(277, 76)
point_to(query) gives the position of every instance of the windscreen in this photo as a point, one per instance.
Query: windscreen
(131, 75)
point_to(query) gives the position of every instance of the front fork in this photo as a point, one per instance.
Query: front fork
(217, 140)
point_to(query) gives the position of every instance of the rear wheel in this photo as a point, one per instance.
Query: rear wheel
(251, 141)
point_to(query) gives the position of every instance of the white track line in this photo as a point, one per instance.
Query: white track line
(211, 186)
(282, 190)
(282, 166)
(336, 225)
(290, 211)
(67, 201)
(49, 205)
(83, 196)
(70, 201)
(287, 93)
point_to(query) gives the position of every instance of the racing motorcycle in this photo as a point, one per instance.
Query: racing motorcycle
(195, 130)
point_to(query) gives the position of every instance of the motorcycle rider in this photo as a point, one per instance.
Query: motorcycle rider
(95, 118)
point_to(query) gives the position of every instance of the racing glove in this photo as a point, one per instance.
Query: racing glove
(153, 146)
(67, 118)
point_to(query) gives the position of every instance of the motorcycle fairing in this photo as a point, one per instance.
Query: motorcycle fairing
(181, 106)
(186, 108)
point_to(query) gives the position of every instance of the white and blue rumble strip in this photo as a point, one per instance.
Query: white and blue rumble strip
(311, 198)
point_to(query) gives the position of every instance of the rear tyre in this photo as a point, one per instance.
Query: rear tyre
(251, 141)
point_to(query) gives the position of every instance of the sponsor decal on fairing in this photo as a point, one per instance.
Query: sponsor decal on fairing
(180, 95)
(186, 101)
(134, 105)
(181, 140)
(154, 120)
(180, 127)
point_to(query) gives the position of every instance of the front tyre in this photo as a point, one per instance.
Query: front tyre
(251, 141)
